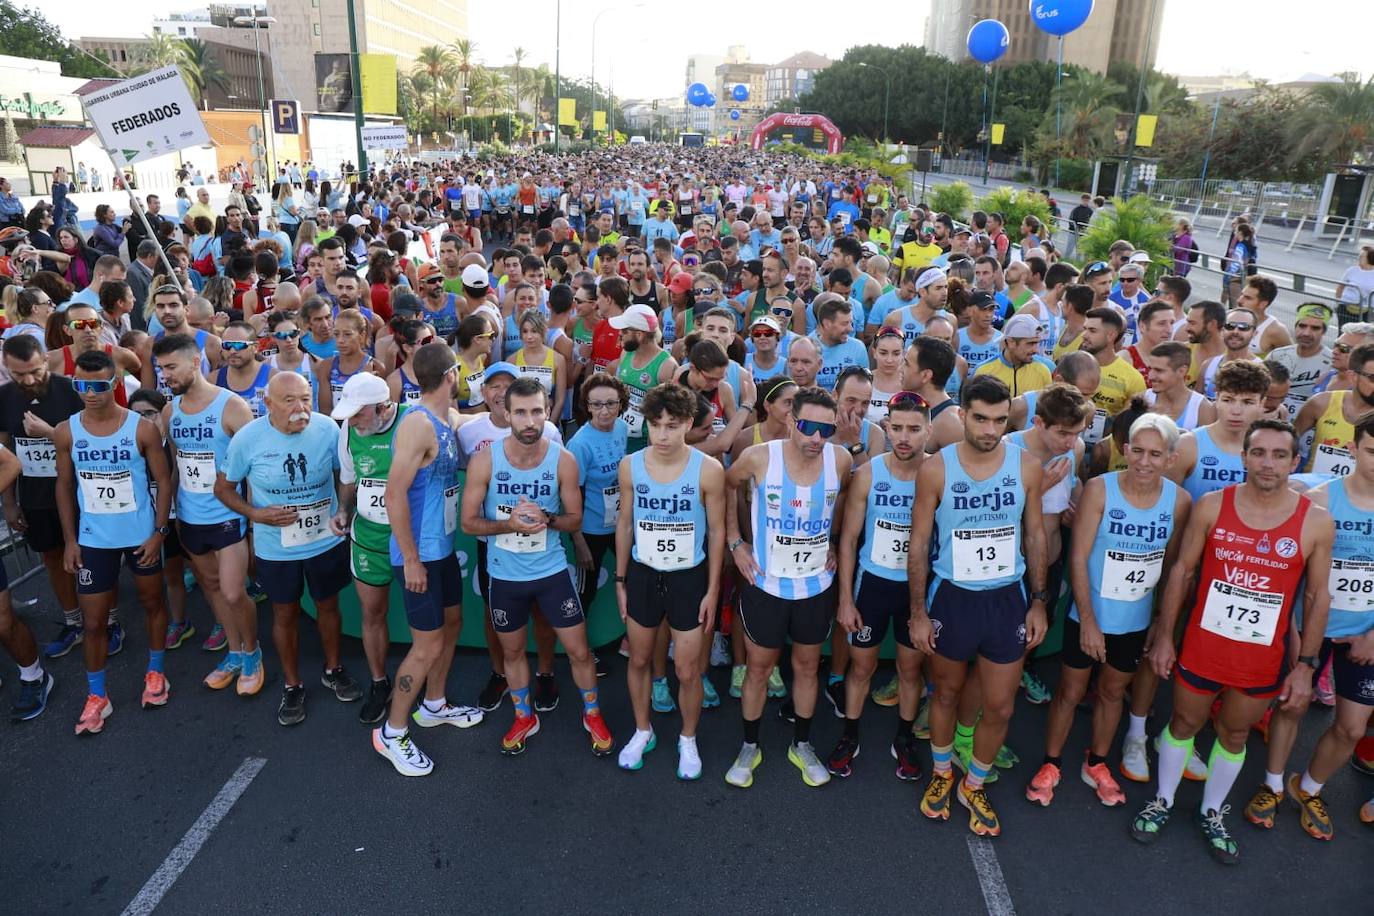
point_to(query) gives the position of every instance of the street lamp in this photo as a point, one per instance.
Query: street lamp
(254, 19)
(887, 97)
(596, 19)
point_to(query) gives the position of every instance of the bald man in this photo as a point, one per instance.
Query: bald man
(291, 459)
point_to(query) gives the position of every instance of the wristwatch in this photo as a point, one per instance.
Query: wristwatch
(1310, 661)
(735, 543)
(856, 449)
(620, 579)
(1042, 596)
(163, 530)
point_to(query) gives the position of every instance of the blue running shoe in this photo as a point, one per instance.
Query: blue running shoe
(116, 640)
(32, 699)
(709, 698)
(663, 697)
(68, 638)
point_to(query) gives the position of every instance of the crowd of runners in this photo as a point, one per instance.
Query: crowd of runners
(790, 410)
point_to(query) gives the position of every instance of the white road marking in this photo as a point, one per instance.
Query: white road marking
(180, 857)
(989, 870)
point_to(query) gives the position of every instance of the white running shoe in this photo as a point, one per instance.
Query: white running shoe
(408, 759)
(1196, 771)
(1135, 762)
(461, 716)
(640, 743)
(720, 651)
(741, 772)
(688, 760)
(803, 757)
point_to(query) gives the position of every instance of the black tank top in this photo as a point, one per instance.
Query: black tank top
(650, 298)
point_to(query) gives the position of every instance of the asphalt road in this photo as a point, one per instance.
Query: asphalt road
(326, 826)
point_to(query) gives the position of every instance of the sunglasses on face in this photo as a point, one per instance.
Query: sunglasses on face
(811, 427)
(434, 279)
(707, 290)
(1238, 326)
(92, 386)
(84, 324)
(1341, 348)
(763, 333)
(234, 346)
(781, 311)
(286, 335)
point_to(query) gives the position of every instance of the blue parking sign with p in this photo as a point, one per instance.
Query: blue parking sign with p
(286, 116)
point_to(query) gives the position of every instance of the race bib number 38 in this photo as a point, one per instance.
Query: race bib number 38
(891, 544)
(1241, 614)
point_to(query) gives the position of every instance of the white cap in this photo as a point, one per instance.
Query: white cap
(639, 317)
(475, 276)
(357, 221)
(359, 391)
(1141, 257)
(1021, 325)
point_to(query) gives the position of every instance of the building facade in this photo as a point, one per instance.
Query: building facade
(1117, 30)
(793, 77)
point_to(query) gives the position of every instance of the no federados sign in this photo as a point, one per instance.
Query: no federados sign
(147, 116)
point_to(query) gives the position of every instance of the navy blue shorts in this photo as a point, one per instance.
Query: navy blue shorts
(202, 539)
(325, 574)
(99, 572)
(881, 601)
(1353, 681)
(989, 623)
(443, 589)
(555, 596)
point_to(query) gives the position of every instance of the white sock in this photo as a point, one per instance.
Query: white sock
(32, 672)
(436, 706)
(72, 617)
(687, 739)
(1274, 781)
(389, 732)
(1222, 770)
(1310, 785)
(1137, 727)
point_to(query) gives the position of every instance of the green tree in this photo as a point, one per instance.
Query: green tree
(28, 34)
(157, 51)
(1088, 112)
(436, 63)
(463, 51)
(202, 70)
(1140, 221)
(1335, 121)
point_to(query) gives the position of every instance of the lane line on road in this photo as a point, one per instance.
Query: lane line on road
(989, 870)
(180, 857)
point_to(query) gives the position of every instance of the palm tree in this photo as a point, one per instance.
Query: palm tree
(491, 90)
(1164, 97)
(540, 87)
(202, 70)
(1088, 111)
(1336, 121)
(463, 50)
(518, 88)
(439, 67)
(158, 50)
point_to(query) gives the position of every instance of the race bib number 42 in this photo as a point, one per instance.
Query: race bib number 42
(1128, 576)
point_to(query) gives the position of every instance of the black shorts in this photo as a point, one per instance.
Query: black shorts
(172, 548)
(443, 589)
(989, 623)
(4, 578)
(483, 588)
(1199, 684)
(555, 596)
(1123, 649)
(99, 572)
(769, 621)
(650, 596)
(881, 601)
(44, 530)
(325, 574)
(202, 539)
(1353, 681)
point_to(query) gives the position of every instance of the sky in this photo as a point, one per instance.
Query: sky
(642, 47)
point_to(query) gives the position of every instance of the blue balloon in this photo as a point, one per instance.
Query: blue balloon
(734, 114)
(697, 94)
(988, 40)
(740, 93)
(710, 100)
(1060, 17)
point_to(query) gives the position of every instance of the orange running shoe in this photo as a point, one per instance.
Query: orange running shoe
(1100, 778)
(1367, 812)
(521, 730)
(596, 726)
(155, 689)
(93, 715)
(1042, 785)
(1363, 758)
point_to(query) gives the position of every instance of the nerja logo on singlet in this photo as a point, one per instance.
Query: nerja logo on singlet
(534, 490)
